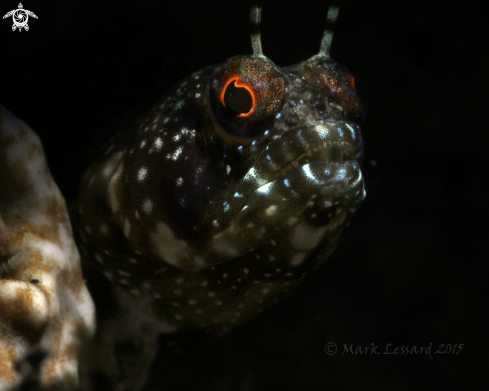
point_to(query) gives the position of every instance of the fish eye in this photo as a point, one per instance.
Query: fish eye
(245, 95)
(238, 98)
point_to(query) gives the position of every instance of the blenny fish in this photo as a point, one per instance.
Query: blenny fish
(221, 199)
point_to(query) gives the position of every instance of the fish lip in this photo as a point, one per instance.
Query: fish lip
(341, 151)
(303, 159)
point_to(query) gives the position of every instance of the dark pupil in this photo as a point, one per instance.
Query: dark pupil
(237, 99)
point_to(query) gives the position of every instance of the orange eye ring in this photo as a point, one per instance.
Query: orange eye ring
(351, 80)
(240, 84)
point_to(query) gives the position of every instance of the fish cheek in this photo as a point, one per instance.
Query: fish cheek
(175, 185)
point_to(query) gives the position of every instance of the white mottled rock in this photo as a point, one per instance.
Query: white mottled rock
(44, 303)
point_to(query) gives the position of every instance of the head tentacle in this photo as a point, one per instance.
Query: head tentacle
(255, 18)
(331, 18)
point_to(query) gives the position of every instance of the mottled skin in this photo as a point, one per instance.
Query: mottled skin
(45, 306)
(210, 216)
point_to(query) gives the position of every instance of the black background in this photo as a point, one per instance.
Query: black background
(411, 269)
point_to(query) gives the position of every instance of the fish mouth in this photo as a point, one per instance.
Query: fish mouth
(328, 153)
(327, 142)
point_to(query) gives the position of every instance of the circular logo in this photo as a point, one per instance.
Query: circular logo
(20, 17)
(330, 348)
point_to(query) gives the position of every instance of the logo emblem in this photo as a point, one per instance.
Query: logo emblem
(20, 16)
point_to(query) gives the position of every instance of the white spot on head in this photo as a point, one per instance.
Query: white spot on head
(307, 170)
(168, 248)
(143, 171)
(179, 181)
(158, 143)
(271, 210)
(177, 153)
(148, 206)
